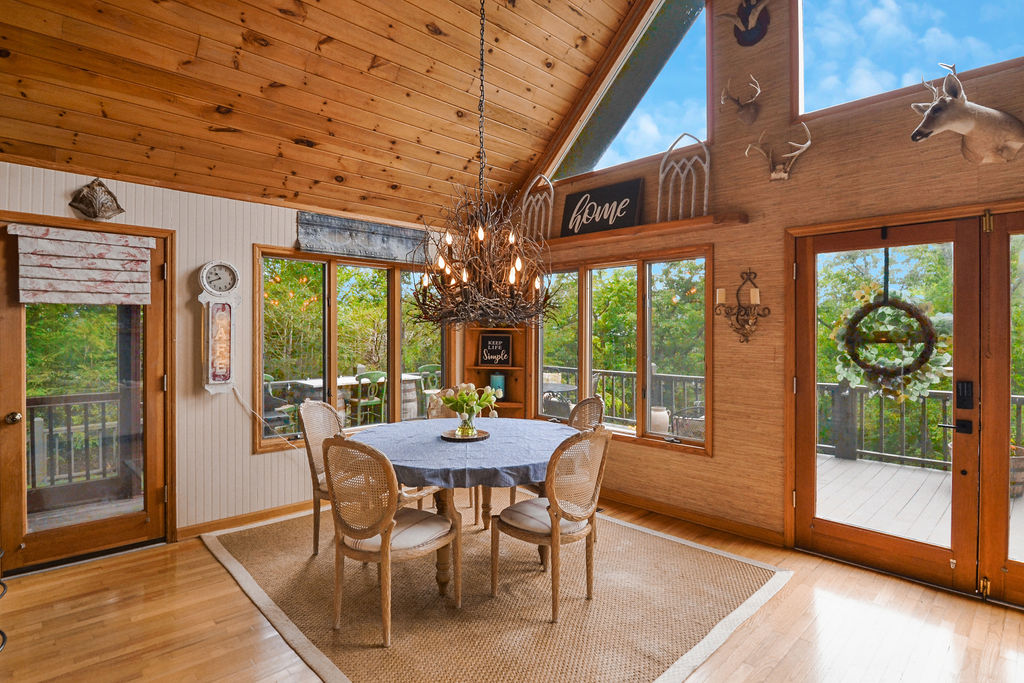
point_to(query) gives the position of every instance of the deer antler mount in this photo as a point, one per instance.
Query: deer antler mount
(780, 170)
(746, 110)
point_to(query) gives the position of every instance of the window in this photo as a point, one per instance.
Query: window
(560, 348)
(651, 371)
(855, 49)
(350, 338)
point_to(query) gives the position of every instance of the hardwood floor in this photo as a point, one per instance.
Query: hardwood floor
(173, 613)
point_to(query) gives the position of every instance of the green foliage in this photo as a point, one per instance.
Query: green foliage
(677, 317)
(72, 348)
(293, 318)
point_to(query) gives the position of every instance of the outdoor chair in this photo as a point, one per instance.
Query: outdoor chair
(318, 421)
(567, 514)
(430, 382)
(368, 396)
(371, 525)
(436, 409)
(688, 422)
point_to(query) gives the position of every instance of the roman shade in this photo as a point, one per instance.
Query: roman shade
(62, 266)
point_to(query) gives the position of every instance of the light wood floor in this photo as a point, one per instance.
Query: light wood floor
(172, 613)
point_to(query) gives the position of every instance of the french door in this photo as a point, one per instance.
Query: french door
(910, 401)
(82, 421)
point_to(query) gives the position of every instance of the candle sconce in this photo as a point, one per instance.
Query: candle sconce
(743, 318)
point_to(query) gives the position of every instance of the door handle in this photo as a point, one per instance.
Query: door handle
(13, 418)
(961, 426)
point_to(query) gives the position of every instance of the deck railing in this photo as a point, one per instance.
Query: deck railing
(73, 438)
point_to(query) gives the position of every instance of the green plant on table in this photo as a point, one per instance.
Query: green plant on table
(468, 401)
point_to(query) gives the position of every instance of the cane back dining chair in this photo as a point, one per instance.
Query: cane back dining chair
(318, 421)
(436, 409)
(567, 514)
(369, 396)
(371, 525)
(586, 414)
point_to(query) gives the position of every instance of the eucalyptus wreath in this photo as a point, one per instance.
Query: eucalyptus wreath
(891, 346)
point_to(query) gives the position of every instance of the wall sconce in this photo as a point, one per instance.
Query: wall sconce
(743, 319)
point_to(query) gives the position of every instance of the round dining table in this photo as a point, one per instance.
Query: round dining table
(516, 452)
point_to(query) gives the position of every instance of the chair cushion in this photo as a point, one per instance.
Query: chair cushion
(321, 482)
(412, 528)
(532, 515)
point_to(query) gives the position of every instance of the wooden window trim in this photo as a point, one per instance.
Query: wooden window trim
(796, 74)
(275, 444)
(641, 263)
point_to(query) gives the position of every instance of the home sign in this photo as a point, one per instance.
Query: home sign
(603, 208)
(495, 349)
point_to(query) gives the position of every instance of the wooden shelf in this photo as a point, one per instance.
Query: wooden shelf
(516, 391)
(494, 368)
(509, 404)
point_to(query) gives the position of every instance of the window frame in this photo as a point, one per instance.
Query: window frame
(796, 71)
(273, 444)
(641, 262)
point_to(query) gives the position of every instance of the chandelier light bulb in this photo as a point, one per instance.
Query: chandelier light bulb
(440, 261)
(519, 263)
(447, 238)
(536, 283)
(447, 270)
(511, 237)
(452, 282)
(512, 275)
(465, 275)
(425, 282)
(480, 233)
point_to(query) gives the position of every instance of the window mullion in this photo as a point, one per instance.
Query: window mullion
(394, 344)
(640, 400)
(331, 334)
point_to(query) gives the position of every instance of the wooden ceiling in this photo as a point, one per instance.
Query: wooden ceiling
(351, 107)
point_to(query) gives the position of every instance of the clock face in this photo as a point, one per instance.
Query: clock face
(219, 278)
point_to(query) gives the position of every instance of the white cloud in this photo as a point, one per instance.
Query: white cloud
(938, 44)
(884, 23)
(650, 131)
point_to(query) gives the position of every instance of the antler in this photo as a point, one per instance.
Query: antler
(800, 149)
(759, 148)
(726, 95)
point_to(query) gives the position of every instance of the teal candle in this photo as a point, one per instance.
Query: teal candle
(498, 382)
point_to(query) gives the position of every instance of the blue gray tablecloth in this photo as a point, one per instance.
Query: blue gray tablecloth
(517, 451)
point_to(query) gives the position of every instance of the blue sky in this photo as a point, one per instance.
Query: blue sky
(852, 49)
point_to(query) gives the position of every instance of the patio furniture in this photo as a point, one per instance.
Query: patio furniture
(568, 514)
(318, 421)
(587, 414)
(688, 422)
(555, 404)
(430, 382)
(371, 525)
(368, 395)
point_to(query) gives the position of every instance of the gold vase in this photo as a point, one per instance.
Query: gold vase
(466, 427)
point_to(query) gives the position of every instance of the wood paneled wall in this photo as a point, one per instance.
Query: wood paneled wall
(861, 163)
(217, 475)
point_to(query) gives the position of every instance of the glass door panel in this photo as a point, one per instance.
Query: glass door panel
(363, 343)
(613, 343)
(85, 420)
(884, 459)
(421, 355)
(559, 386)
(1016, 454)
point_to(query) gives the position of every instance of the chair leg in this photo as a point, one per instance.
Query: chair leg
(591, 538)
(512, 495)
(542, 550)
(339, 583)
(555, 566)
(385, 594)
(494, 556)
(457, 562)
(316, 525)
(477, 495)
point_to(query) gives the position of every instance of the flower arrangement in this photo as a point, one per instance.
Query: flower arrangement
(468, 402)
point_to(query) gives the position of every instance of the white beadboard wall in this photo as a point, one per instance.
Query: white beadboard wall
(217, 474)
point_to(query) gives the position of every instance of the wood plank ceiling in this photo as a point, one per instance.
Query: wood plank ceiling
(352, 107)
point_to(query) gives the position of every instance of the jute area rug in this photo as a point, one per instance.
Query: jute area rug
(661, 606)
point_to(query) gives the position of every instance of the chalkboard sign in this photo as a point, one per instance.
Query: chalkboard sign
(495, 349)
(603, 208)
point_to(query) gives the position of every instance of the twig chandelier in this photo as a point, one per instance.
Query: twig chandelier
(481, 268)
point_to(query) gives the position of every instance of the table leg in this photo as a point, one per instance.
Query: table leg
(442, 499)
(487, 507)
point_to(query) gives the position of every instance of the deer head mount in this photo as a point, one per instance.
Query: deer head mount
(989, 135)
(780, 171)
(746, 110)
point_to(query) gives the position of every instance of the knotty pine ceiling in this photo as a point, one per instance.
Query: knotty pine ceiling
(365, 108)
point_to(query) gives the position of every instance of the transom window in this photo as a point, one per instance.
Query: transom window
(651, 371)
(857, 48)
(323, 317)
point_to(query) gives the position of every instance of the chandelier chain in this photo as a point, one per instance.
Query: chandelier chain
(480, 110)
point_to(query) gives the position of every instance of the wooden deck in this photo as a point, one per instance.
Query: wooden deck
(906, 501)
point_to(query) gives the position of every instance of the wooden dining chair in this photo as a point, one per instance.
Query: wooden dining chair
(436, 409)
(371, 525)
(569, 513)
(586, 414)
(318, 421)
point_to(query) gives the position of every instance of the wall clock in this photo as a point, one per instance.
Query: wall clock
(220, 299)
